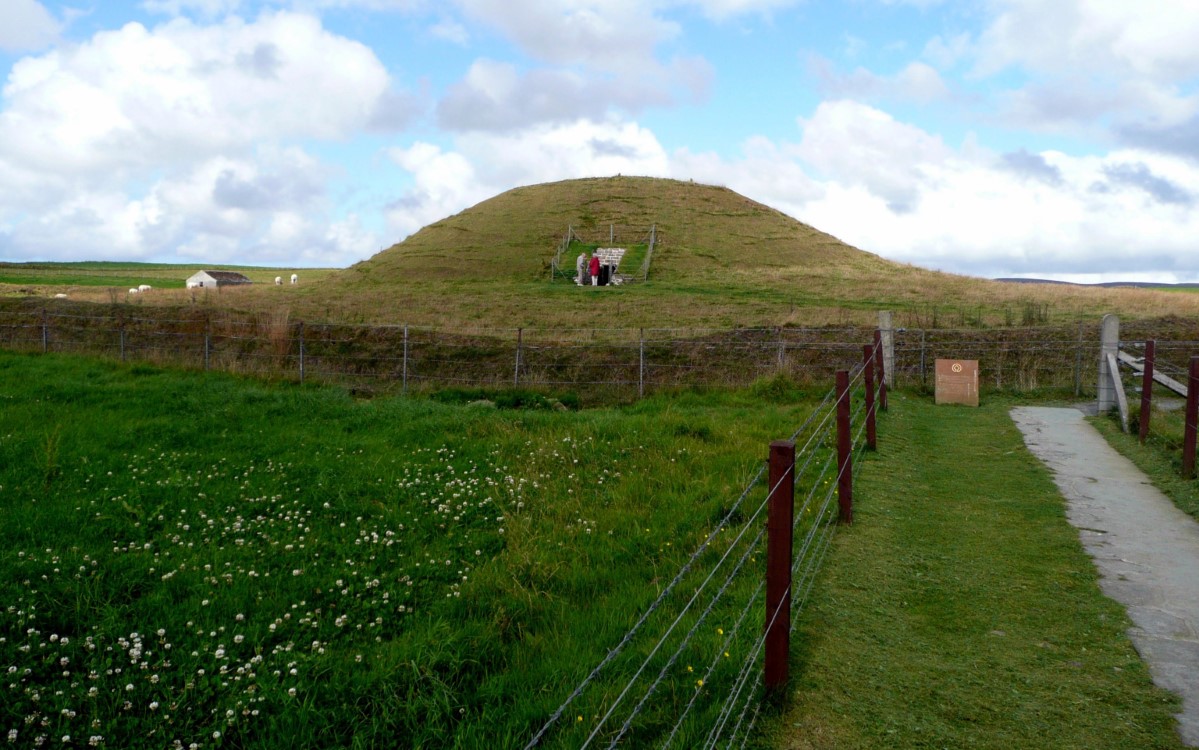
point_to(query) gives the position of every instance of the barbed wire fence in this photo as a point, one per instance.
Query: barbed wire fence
(647, 690)
(602, 361)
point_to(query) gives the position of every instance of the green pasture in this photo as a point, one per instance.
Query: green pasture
(129, 275)
(203, 559)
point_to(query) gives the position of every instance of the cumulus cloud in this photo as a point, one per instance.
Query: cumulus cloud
(1031, 166)
(1097, 68)
(857, 144)
(152, 97)
(168, 142)
(497, 96)
(916, 82)
(27, 26)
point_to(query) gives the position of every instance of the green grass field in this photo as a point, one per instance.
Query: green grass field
(212, 560)
(960, 610)
(122, 275)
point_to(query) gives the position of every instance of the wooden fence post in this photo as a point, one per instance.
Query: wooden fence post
(404, 387)
(207, 343)
(122, 330)
(844, 448)
(868, 376)
(45, 332)
(1147, 390)
(1192, 420)
(880, 373)
(780, 514)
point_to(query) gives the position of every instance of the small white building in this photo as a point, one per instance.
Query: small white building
(213, 279)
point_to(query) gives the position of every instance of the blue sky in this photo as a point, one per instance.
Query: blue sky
(1049, 138)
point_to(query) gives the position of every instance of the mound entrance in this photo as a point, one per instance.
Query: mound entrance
(628, 252)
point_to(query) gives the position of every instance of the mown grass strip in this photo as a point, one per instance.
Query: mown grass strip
(960, 609)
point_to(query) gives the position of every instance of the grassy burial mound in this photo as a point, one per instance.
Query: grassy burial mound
(720, 259)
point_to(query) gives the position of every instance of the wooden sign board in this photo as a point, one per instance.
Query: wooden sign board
(957, 381)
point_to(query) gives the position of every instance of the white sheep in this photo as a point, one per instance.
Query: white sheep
(278, 281)
(144, 287)
(133, 291)
(295, 278)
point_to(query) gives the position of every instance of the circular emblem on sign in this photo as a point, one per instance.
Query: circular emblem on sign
(957, 367)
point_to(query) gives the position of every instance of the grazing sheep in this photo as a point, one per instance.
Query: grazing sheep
(133, 291)
(295, 278)
(278, 281)
(144, 287)
(60, 295)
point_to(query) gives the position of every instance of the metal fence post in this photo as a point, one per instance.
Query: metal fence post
(1192, 420)
(923, 372)
(516, 370)
(1078, 362)
(780, 513)
(880, 373)
(301, 335)
(641, 365)
(868, 375)
(845, 448)
(1147, 390)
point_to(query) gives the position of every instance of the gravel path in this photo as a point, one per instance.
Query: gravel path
(1146, 549)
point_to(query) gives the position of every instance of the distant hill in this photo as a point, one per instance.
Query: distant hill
(1107, 284)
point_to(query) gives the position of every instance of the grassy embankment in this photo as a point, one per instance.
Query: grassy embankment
(961, 611)
(206, 559)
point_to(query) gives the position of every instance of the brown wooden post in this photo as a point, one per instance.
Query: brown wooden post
(780, 514)
(1147, 390)
(1192, 420)
(880, 373)
(844, 449)
(868, 376)
(45, 332)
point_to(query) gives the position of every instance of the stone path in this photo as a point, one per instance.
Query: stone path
(1146, 549)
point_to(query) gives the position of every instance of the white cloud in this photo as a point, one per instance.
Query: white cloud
(272, 208)
(148, 98)
(497, 96)
(916, 82)
(1154, 41)
(852, 143)
(27, 25)
(169, 142)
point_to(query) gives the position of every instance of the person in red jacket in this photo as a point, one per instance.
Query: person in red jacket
(595, 269)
